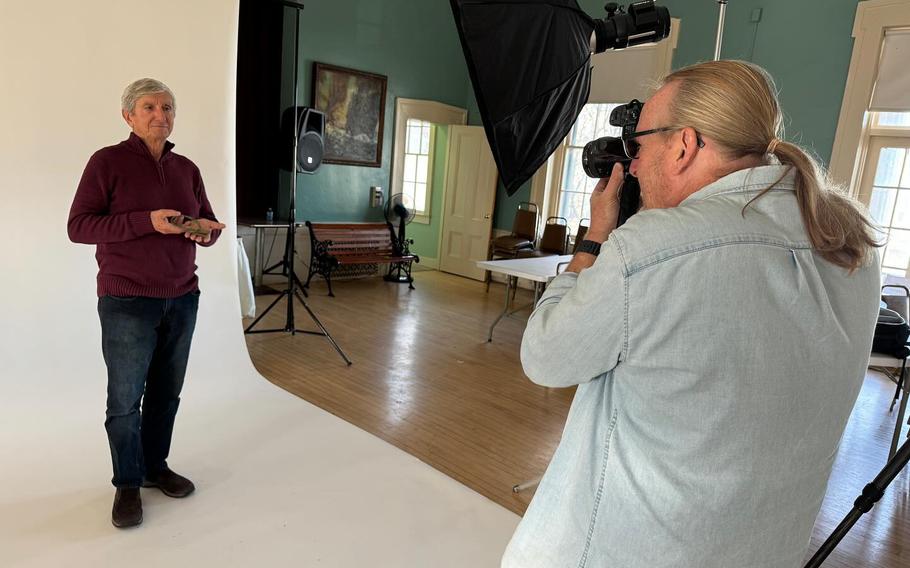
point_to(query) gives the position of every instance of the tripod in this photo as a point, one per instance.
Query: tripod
(863, 504)
(294, 287)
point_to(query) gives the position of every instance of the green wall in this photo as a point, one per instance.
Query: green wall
(415, 45)
(805, 45)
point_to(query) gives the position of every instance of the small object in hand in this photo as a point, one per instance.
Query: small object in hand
(189, 224)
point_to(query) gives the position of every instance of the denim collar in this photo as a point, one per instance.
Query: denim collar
(748, 180)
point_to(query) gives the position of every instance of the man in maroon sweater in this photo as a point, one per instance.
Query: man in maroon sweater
(146, 210)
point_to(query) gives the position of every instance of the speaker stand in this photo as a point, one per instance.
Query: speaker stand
(294, 286)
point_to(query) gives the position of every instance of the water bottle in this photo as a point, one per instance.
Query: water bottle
(269, 216)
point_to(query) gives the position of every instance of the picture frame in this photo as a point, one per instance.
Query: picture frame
(354, 105)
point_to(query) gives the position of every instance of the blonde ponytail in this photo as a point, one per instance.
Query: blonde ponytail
(735, 104)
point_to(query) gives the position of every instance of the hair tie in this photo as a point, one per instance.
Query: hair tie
(772, 146)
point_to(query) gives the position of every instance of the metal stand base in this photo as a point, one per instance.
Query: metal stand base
(289, 324)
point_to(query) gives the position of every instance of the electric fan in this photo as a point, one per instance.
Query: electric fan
(399, 211)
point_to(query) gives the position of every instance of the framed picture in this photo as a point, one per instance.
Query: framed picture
(354, 106)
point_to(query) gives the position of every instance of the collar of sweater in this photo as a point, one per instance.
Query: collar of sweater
(136, 144)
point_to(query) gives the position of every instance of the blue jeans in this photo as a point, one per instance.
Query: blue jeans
(146, 344)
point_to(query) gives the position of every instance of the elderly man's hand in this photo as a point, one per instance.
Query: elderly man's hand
(204, 228)
(161, 223)
(605, 206)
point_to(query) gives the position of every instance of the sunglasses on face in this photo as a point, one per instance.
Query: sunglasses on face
(632, 146)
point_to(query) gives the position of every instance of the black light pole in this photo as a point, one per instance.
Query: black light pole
(294, 287)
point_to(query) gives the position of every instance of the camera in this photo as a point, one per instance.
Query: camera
(600, 155)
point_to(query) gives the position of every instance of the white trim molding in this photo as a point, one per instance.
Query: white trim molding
(873, 18)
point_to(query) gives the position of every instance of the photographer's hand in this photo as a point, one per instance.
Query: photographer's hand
(604, 216)
(605, 206)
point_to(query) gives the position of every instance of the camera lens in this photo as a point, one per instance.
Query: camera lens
(599, 156)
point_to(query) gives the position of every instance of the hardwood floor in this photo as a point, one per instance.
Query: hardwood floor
(425, 379)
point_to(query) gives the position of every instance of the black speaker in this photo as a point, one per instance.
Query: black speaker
(310, 127)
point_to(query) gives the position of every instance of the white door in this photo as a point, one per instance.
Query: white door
(470, 191)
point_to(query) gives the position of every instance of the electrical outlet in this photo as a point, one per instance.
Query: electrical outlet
(375, 196)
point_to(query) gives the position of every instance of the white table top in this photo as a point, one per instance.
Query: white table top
(540, 269)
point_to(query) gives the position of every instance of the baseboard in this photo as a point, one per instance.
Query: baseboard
(429, 263)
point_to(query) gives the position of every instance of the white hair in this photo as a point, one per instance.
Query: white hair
(141, 87)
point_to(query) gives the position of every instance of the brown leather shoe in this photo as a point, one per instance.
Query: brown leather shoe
(127, 511)
(170, 483)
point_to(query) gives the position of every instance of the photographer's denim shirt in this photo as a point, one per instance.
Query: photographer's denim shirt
(718, 359)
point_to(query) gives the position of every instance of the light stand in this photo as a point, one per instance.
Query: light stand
(294, 287)
(720, 28)
(864, 503)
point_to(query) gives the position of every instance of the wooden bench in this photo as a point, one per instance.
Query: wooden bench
(340, 244)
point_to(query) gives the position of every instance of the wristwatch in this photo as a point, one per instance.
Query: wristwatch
(589, 247)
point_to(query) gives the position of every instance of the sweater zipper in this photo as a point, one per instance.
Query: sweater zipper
(160, 172)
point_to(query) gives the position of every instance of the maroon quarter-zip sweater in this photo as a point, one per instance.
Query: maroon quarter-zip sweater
(120, 187)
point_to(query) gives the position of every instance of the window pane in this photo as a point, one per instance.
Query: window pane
(422, 162)
(881, 205)
(410, 167)
(413, 140)
(902, 210)
(894, 119)
(897, 253)
(604, 128)
(905, 178)
(407, 188)
(573, 206)
(425, 139)
(420, 197)
(574, 176)
(583, 131)
(890, 164)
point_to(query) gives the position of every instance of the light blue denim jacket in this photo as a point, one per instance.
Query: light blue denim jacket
(718, 359)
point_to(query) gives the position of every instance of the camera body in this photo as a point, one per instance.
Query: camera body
(600, 155)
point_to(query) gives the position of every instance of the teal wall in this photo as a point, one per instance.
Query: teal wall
(415, 45)
(806, 46)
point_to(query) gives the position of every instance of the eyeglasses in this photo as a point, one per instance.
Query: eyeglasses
(631, 146)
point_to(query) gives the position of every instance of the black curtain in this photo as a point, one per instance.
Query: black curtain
(259, 71)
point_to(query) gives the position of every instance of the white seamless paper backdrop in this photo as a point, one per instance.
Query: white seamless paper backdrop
(280, 482)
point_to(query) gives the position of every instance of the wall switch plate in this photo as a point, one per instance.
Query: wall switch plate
(375, 196)
(756, 16)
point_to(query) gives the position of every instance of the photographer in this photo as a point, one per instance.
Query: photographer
(132, 203)
(718, 342)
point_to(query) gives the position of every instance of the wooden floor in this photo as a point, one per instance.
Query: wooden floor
(425, 379)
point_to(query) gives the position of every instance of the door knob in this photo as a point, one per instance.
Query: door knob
(487, 216)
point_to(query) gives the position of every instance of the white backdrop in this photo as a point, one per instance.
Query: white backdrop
(280, 482)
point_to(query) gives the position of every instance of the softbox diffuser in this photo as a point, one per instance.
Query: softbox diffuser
(530, 67)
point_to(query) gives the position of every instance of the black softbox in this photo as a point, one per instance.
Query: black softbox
(530, 67)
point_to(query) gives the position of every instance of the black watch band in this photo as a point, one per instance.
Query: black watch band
(589, 247)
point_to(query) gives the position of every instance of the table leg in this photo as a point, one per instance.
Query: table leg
(505, 309)
(257, 263)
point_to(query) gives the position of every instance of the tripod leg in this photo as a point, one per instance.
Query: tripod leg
(325, 332)
(262, 315)
(863, 504)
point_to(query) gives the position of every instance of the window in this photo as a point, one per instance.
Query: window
(886, 186)
(412, 157)
(416, 172)
(575, 187)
